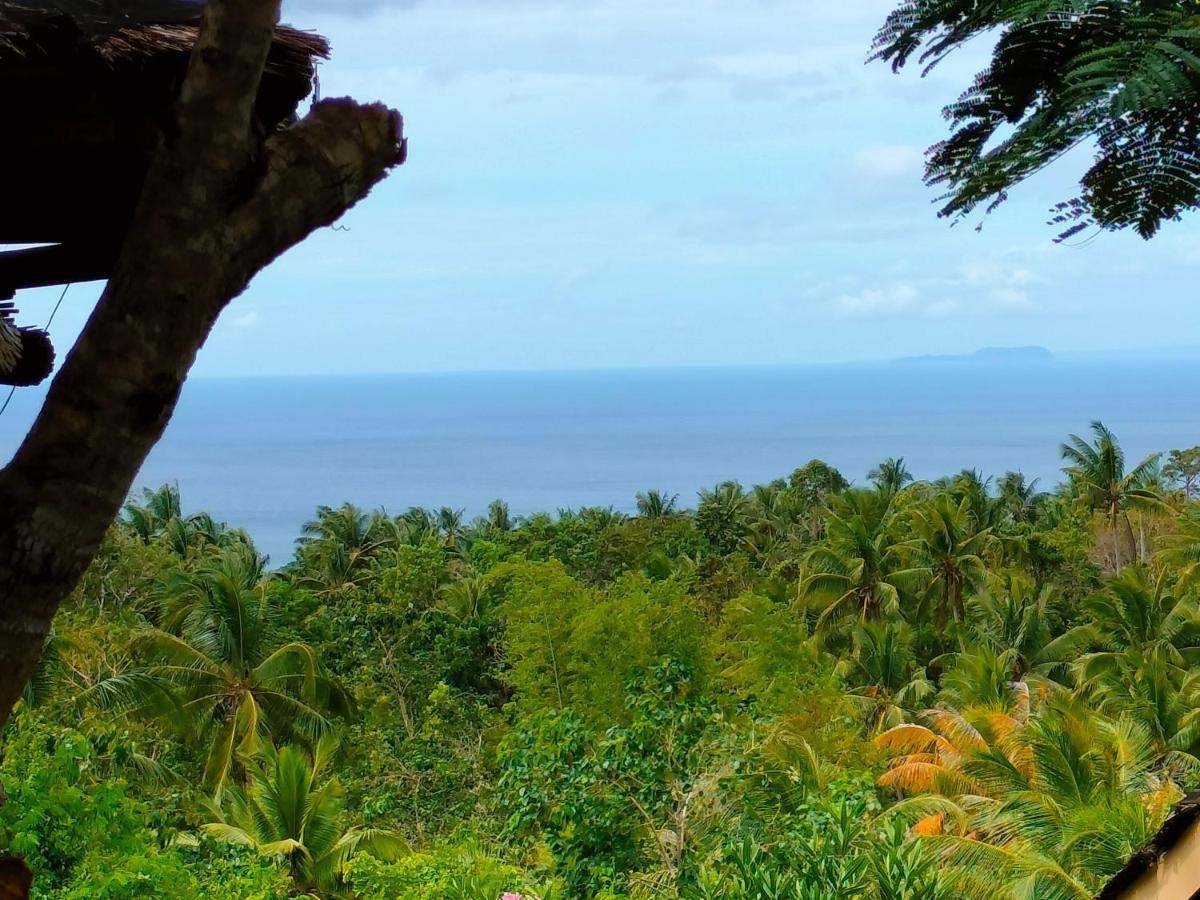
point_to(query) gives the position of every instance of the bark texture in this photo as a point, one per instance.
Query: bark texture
(220, 203)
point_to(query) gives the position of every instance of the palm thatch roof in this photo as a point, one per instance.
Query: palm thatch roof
(86, 93)
(86, 88)
(26, 354)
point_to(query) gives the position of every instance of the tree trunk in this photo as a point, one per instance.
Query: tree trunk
(220, 203)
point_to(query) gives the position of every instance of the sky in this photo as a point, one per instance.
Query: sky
(631, 183)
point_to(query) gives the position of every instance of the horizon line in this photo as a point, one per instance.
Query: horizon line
(1058, 356)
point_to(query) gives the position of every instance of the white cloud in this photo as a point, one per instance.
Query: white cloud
(1006, 287)
(898, 299)
(888, 162)
(941, 298)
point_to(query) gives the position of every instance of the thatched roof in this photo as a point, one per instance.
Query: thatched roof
(121, 33)
(86, 88)
(26, 354)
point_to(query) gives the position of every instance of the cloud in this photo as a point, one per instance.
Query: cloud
(1004, 286)
(980, 290)
(899, 299)
(817, 75)
(888, 162)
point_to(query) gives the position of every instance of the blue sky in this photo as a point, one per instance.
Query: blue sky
(607, 183)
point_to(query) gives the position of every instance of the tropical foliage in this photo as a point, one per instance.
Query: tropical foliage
(903, 690)
(1123, 77)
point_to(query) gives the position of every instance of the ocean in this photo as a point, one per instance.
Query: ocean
(263, 453)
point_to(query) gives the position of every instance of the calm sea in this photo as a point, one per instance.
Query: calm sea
(264, 453)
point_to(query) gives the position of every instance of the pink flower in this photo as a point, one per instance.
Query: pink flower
(510, 895)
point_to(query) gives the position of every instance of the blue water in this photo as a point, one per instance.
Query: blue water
(263, 453)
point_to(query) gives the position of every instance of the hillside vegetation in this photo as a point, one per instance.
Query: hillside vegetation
(898, 690)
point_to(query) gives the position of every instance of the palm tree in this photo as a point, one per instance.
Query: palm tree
(983, 677)
(1017, 496)
(287, 811)
(1015, 615)
(149, 518)
(499, 521)
(214, 669)
(450, 526)
(417, 526)
(723, 516)
(600, 517)
(362, 534)
(891, 475)
(971, 485)
(883, 669)
(1180, 550)
(858, 563)
(468, 598)
(655, 504)
(1097, 473)
(341, 547)
(1137, 610)
(236, 570)
(777, 515)
(950, 549)
(194, 535)
(1146, 686)
(1044, 806)
(336, 571)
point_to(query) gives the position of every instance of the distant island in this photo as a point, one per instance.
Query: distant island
(1005, 355)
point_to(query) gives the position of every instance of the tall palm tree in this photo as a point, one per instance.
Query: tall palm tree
(1098, 475)
(1137, 610)
(1045, 806)
(336, 571)
(185, 594)
(1144, 685)
(451, 527)
(858, 564)
(468, 599)
(1180, 550)
(1014, 614)
(882, 671)
(1017, 496)
(983, 677)
(499, 520)
(601, 517)
(361, 533)
(723, 516)
(149, 517)
(891, 475)
(973, 486)
(654, 504)
(417, 525)
(341, 548)
(214, 668)
(950, 548)
(290, 811)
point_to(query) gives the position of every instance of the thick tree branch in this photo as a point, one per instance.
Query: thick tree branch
(219, 204)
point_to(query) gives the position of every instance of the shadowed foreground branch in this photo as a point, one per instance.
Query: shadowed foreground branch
(220, 203)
